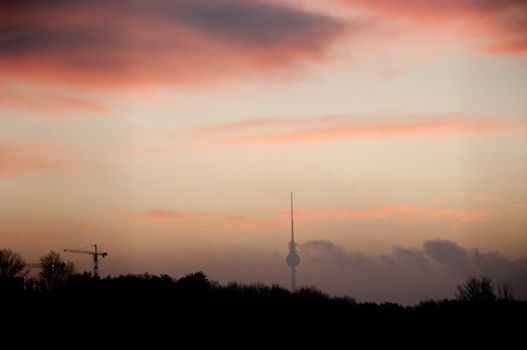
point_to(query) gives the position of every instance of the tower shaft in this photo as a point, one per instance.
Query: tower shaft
(293, 279)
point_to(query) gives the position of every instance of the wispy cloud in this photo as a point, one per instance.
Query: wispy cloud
(501, 26)
(15, 230)
(186, 42)
(267, 131)
(445, 213)
(49, 103)
(392, 211)
(163, 214)
(208, 221)
(221, 222)
(22, 158)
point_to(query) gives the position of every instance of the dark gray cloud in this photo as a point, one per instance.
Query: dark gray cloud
(240, 22)
(405, 275)
(158, 39)
(448, 254)
(18, 39)
(259, 24)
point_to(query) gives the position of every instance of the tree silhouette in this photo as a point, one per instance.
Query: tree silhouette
(11, 264)
(55, 272)
(505, 291)
(476, 290)
(150, 307)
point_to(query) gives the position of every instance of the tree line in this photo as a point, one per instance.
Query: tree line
(150, 310)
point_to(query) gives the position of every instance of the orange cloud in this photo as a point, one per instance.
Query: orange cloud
(381, 212)
(16, 229)
(119, 43)
(328, 128)
(500, 24)
(42, 100)
(391, 211)
(462, 215)
(160, 214)
(217, 222)
(19, 158)
(14, 235)
(207, 221)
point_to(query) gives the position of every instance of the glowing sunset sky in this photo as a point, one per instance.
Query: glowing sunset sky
(172, 132)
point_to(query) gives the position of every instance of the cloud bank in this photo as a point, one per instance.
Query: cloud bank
(406, 275)
(115, 43)
(23, 158)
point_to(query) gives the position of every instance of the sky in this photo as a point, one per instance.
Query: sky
(171, 133)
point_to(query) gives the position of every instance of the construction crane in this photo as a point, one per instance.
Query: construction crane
(95, 255)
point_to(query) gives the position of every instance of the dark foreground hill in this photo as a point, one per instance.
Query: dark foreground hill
(160, 312)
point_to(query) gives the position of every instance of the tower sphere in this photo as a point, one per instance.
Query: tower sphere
(293, 259)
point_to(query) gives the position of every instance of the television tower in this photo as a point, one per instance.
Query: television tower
(292, 259)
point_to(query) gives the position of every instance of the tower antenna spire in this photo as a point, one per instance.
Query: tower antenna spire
(292, 221)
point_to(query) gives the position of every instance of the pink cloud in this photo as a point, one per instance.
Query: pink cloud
(218, 222)
(16, 229)
(16, 235)
(203, 221)
(21, 158)
(159, 214)
(390, 211)
(500, 24)
(329, 128)
(444, 213)
(381, 212)
(236, 218)
(511, 46)
(42, 101)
